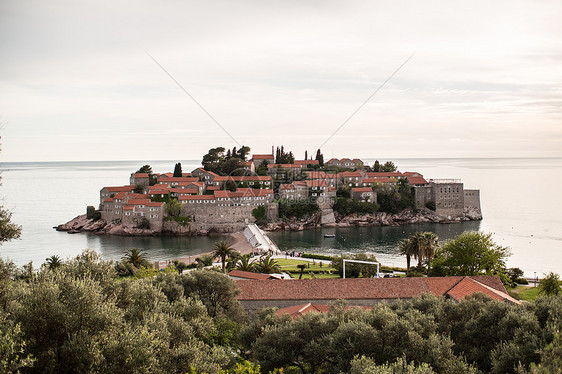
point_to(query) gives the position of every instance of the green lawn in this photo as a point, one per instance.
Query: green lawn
(289, 265)
(525, 293)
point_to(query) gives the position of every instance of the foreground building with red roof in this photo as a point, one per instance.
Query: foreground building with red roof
(257, 294)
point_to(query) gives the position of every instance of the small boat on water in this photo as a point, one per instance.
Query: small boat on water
(329, 235)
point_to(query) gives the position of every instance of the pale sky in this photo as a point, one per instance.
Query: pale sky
(77, 84)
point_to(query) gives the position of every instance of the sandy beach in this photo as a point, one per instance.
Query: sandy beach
(237, 241)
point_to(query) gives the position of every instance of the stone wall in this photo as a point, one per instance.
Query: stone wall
(472, 199)
(213, 214)
(423, 196)
(449, 199)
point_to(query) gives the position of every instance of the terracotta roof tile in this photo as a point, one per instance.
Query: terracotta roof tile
(196, 197)
(417, 180)
(262, 157)
(362, 189)
(358, 288)
(283, 166)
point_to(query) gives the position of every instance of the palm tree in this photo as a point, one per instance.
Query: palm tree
(408, 249)
(423, 245)
(53, 262)
(431, 241)
(244, 263)
(268, 265)
(135, 257)
(222, 250)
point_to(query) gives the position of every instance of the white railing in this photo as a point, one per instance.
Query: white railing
(445, 181)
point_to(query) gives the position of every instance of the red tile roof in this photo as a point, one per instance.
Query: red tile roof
(357, 288)
(140, 175)
(119, 189)
(177, 179)
(213, 188)
(247, 178)
(283, 166)
(262, 157)
(286, 187)
(138, 202)
(244, 192)
(185, 184)
(417, 180)
(384, 174)
(159, 192)
(196, 197)
(468, 286)
(250, 275)
(186, 191)
(362, 189)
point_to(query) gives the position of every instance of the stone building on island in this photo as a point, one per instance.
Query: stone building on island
(225, 203)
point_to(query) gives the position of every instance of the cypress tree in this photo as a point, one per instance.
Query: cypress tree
(177, 170)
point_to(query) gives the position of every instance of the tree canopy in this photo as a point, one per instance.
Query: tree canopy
(470, 253)
(177, 170)
(229, 163)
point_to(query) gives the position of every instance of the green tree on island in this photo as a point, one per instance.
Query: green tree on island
(177, 170)
(148, 170)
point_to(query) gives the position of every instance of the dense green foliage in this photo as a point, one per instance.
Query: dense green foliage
(428, 334)
(297, 209)
(259, 214)
(8, 229)
(80, 317)
(317, 256)
(396, 199)
(148, 170)
(550, 284)
(223, 250)
(471, 253)
(421, 246)
(320, 158)
(282, 157)
(143, 223)
(346, 206)
(230, 163)
(177, 170)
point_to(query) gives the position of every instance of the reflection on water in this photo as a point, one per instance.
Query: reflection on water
(157, 247)
(381, 241)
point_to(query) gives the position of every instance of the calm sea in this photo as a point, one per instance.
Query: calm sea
(520, 199)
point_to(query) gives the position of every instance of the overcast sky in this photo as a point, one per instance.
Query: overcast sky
(76, 82)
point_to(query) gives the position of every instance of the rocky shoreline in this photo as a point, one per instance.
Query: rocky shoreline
(100, 227)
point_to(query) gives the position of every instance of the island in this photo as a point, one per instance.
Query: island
(233, 189)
